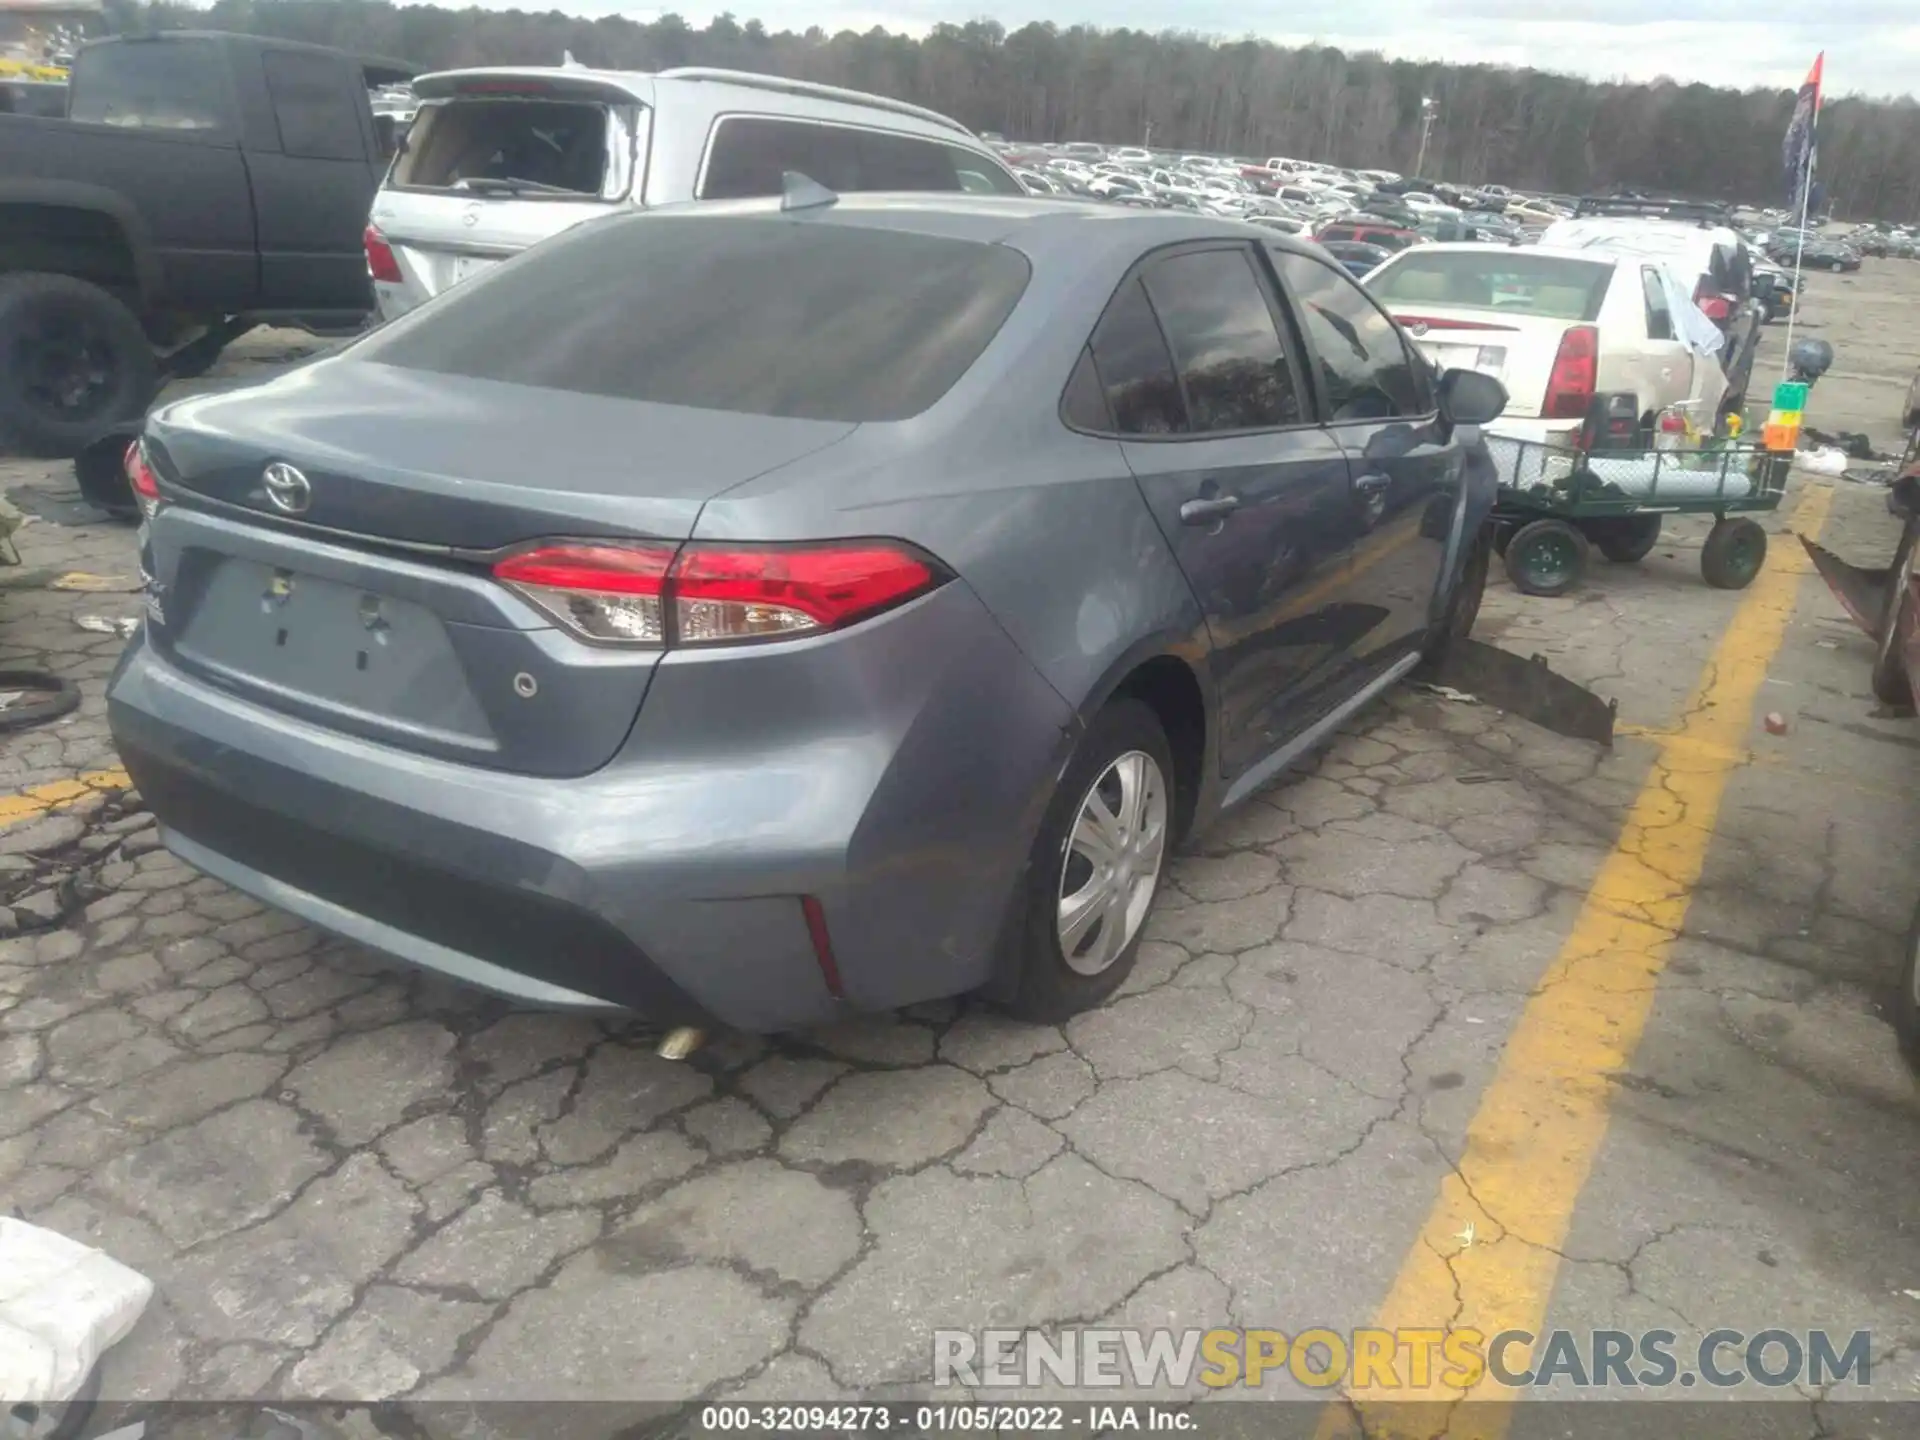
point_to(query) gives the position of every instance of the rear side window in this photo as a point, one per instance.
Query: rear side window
(1135, 367)
(153, 84)
(1365, 367)
(750, 155)
(799, 318)
(464, 144)
(1231, 362)
(315, 101)
(1659, 314)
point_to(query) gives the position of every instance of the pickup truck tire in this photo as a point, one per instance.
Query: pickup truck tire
(74, 362)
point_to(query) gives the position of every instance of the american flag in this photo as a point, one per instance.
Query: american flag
(1798, 149)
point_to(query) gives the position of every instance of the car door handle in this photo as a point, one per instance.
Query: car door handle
(1205, 512)
(1371, 484)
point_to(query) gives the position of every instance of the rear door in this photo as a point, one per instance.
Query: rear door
(1407, 469)
(1663, 369)
(313, 178)
(1206, 393)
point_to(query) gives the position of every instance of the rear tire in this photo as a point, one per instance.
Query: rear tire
(1060, 977)
(1625, 539)
(1546, 557)
(1906, 1005)
(1891, 685)
(1463, 605)
(1735, 551)
(74, 363)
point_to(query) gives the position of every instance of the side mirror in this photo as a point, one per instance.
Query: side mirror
(1469, 398)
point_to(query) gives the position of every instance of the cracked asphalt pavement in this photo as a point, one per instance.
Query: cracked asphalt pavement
(353, 1181)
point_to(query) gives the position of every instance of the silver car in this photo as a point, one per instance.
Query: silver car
(752, 612)
(498, 159)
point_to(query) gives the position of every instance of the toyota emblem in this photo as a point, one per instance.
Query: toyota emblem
(287, 489)
(471, 217)
(1417, 329)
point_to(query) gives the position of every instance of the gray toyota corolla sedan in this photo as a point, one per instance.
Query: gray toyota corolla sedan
(747, 614)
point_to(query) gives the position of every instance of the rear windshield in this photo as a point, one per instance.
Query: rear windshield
(462, 145)
(1552, 287)
(801, 318)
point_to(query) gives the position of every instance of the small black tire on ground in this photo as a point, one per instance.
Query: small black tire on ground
(74, 363)
(101, 470)
(1735, 551)
(1624, 539)
(1051, 989)
(44, 697)
(1546, 557)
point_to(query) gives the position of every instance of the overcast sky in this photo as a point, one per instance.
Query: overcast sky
(1873, 46)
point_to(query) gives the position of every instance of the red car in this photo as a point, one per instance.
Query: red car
(1387, 237)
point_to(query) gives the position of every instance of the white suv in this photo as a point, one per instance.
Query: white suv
(499, 159)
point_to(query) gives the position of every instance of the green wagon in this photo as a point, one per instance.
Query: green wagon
(1558, 504)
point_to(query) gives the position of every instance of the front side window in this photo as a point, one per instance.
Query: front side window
(750, 156)
(1366, 369)
(750, 314)
(1234, 369)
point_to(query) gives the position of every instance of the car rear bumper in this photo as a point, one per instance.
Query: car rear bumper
(896, 774)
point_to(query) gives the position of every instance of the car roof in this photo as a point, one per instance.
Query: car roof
(1482, 247)
(751, 88)
(1043, 228)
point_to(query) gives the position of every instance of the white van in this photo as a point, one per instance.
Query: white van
(499, 159)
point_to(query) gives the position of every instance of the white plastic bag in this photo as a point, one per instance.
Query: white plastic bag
(1827, 460)
(62, 1306)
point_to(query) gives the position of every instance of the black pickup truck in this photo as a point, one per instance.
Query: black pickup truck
(197, 186)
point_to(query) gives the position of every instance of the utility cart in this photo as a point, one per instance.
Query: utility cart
(1557, 504)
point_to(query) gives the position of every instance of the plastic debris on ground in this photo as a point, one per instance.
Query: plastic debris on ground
(62, 1306)
(1824, 461)
(1447, 692)
(108, 624)
(97, 584)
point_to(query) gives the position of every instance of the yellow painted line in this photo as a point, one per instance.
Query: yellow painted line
(58, 794)
(1485, 1257)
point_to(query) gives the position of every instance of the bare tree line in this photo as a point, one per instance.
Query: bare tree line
(1526, 128)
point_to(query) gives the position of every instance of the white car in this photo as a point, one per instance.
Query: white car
(1557, 328)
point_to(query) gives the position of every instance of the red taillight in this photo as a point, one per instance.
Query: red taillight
(1712, 304)
(140, 476)
(816, 919)
(603, 592)
(381, 264)
(1576, 371)
(714, 594)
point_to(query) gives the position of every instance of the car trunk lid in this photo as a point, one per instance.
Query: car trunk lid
(370, 608)
(1515, 348)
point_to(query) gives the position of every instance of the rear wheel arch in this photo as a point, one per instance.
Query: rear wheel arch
(71, 229)
(1171, 687)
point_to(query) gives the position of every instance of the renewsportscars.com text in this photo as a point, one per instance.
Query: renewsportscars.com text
(1407, 1359)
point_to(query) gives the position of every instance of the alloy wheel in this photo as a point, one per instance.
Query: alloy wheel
(1113, 860)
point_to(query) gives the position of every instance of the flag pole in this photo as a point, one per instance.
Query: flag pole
(1799, 250)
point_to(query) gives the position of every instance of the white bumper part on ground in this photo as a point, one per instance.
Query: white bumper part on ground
(62, 1306)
